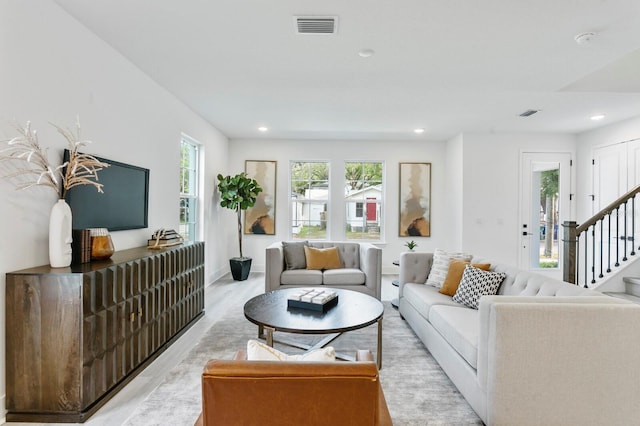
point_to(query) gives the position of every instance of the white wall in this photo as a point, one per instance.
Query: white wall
(54, 69)
(491, 187)
(454, 183)
(337, 152)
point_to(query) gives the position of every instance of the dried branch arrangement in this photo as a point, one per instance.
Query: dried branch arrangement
(29, 166)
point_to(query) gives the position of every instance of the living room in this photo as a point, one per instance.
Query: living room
(56, 69)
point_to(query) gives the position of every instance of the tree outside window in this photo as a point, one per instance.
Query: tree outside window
(549, 184)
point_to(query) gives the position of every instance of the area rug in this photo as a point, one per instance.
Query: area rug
(417, 390)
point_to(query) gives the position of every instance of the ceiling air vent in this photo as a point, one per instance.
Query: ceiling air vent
(316, 24)
(529, 112)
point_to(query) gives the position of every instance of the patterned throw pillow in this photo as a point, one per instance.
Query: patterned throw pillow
(440, 266)
(476, 283)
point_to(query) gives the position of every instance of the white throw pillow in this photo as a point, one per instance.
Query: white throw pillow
(440, 266)
(476, 283)
(258, 351)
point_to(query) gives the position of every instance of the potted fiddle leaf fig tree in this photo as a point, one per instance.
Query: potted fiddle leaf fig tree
(238, 193)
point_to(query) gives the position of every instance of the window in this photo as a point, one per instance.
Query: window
(309, 183)
(363, 200)
(189, 176)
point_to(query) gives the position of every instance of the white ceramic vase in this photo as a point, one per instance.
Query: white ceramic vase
(60, 235)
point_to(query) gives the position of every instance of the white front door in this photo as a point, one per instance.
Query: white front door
(544, 205)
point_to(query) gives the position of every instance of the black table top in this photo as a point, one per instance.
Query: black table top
(354, 311)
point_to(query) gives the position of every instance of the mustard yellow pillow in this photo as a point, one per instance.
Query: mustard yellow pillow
(456, 269)
(327, 258)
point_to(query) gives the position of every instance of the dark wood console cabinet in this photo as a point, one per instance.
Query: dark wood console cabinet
(75, 336)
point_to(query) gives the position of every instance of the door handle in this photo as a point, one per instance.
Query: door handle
(525, 233)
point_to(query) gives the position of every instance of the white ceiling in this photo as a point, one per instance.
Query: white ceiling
(449, 66)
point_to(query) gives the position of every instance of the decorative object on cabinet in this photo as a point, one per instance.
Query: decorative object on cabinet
(261, 217)
(60, 236)
(238, 193)
(163, 238)
(415, 200)
(116, 317)
(28, 165)
(81, 246)
(101, 244)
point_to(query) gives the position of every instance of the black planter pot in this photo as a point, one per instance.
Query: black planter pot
(240, 268)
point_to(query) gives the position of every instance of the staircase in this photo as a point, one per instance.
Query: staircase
(602, 246)
(631, 290)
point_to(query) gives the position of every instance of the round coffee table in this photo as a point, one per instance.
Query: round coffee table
(354, 311)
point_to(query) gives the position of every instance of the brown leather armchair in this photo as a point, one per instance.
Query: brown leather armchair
(241, 392)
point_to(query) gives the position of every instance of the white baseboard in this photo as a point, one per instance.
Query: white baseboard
(3, 409)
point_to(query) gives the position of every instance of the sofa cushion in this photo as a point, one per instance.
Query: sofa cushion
(301, 277)
(343, 276)
(349, 252)
(440, 266)
(460, 328)
(326, 258)
(476, 283)
(422, 297)
(258, 351)
(294, 257)
(454, 276)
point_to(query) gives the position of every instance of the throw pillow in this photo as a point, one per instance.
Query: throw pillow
(440, 266)
(476, 283)
(456, 268)
(327, 258)
(294, 257)
(258, 351)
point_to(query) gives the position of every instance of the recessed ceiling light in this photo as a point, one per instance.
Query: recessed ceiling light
(366, 53)
(263, 128)
(418, 130)
(597, 117)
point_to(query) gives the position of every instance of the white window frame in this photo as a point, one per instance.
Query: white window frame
(190, 230)
(293, 200)
(379, 203)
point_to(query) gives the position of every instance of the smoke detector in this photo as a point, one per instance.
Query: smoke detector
(584, 38)
(324, 25)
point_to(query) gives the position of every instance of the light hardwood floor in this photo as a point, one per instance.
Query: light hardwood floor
(219, 296)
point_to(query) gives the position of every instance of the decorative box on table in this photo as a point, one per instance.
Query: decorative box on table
(313, 299)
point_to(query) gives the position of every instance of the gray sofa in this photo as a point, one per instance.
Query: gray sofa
(540, 352)
(361, 271)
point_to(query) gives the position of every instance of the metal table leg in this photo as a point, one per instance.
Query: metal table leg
(379, 354)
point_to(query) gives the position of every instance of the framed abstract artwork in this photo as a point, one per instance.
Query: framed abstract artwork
(415, 200)
(261, 218)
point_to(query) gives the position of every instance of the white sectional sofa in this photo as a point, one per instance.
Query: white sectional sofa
(540, 352)
(361, 269)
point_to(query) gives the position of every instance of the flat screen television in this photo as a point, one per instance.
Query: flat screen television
(123, 205)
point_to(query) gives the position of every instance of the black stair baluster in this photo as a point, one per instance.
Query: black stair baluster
(633, 226)
(624, 237)
(593, 254)
(577, 280)
(609, 245)
(586, 258)
(601, 248)
(617, 236)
